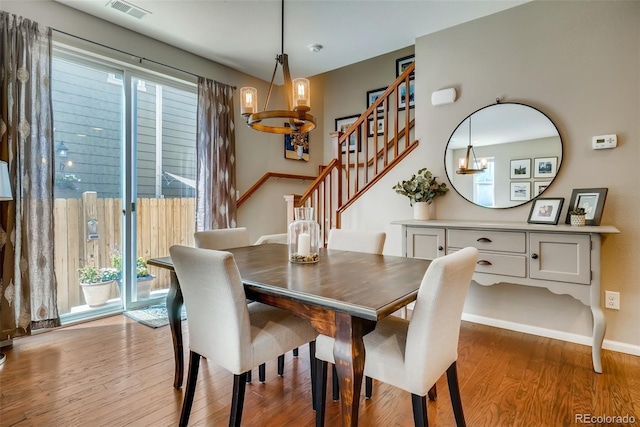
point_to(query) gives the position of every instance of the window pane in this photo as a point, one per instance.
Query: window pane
(165, 138)
(87, 112)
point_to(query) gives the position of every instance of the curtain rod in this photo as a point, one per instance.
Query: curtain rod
(132, 55)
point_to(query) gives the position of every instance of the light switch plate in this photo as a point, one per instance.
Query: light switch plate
(605, 141)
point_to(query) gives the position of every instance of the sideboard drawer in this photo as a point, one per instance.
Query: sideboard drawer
(490, 240)
(504, 265)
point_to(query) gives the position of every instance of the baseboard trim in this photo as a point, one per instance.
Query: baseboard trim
(620, 347)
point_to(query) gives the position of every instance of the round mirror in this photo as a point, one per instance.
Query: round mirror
(503, 155)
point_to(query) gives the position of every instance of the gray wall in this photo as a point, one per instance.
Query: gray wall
(579, 63)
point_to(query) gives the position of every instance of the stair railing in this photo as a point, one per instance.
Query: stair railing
(377, 141)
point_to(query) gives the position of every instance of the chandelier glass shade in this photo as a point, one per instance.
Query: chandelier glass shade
(298, 96)
(469, 164)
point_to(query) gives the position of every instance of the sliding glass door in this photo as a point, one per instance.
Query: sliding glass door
(88, 141)
(164, 136)
(125, 181)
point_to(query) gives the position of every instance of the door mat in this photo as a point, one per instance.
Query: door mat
(153, 316)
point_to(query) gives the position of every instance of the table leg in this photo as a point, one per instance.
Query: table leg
(349, 355)
(174, 309)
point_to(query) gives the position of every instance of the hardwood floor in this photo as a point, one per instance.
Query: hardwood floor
(116, 372)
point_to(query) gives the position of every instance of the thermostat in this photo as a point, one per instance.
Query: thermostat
(605, 141)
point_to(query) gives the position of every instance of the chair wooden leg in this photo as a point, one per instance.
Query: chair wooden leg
(295, 352)
(321, 391)
(248, 376)
(454, 392)
(237, 399)
(335, 386)
(262, 373)
(312, 367)
(368, 387)
(433, 393)
(192, 379)
(419, 404)
(281, 365)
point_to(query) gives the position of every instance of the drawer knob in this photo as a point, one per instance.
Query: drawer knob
(484, 262)
(440, 248)
(534, 256)
(484, 240)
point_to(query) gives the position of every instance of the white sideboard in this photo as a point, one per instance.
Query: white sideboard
(561, 258)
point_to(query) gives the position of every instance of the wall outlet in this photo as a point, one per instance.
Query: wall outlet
(612, 300)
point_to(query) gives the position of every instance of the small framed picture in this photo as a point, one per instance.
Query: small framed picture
(545, 210)
(521, 169)
(539, 187)
(545, 167)
(402, 101)
(296, 146)
(373, 95)
(591, 200)
(403, 63)
(379, 127)
(342, 124)
(521, 191)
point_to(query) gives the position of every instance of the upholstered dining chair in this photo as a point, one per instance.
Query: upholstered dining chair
(222, 238)
(413, 354)
(224, 328)
(371, 242)
(280, 238)
(227, 238)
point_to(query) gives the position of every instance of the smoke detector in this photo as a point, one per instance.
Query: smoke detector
(128, 8)
(315, 47)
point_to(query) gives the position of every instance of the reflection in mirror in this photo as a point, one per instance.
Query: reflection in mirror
(520, 147)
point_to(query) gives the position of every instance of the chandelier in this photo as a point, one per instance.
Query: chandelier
(298, 101)
(469, 164)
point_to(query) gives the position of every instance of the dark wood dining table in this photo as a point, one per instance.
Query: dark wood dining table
(343, 295)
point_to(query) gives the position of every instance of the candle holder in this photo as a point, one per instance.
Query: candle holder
(303, 237)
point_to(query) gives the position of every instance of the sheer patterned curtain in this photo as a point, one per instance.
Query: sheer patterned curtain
(27, 282)
(215, 153)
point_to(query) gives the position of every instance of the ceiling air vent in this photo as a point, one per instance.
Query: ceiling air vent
(128, 8)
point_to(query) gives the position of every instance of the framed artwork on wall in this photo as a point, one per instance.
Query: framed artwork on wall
(591, 200)
(402, 98)
(373, 95)
(545, 210)
(521, 169)
(379, 127)
(403, 63)
(520, 191)
(342, 124)
(545, 167)
(539, 187)
(296, 146)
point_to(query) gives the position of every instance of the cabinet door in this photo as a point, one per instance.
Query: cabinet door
(560, 257)
(427, 243)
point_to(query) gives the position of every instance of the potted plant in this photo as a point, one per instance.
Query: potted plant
(421, 189)
(144, 277)
(69, 181)
(96, 284)
(578, 217)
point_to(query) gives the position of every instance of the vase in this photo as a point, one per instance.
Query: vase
(421, 211)
(96, 294)
(303, 237)
(578, 220)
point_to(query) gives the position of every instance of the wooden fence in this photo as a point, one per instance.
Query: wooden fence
(89, 229)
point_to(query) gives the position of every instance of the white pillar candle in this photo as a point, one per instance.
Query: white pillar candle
(304, 244)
